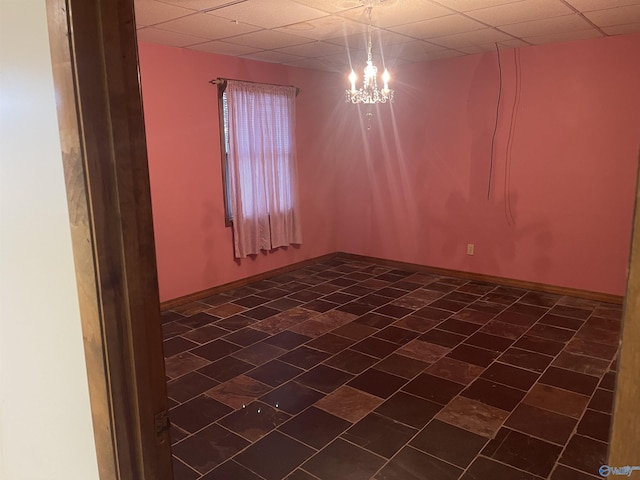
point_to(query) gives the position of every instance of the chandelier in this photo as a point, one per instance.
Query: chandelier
(369, 92)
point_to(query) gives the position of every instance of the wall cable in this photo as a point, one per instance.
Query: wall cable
(512, 125)
(495, 127)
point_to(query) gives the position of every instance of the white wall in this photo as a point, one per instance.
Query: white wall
(45, 417)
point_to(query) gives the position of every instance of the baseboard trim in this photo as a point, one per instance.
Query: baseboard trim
(194, 297)
(510, 282)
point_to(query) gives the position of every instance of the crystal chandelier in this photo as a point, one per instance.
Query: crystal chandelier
(369, 92)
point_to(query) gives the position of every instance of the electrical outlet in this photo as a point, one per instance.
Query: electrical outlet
(470, 248)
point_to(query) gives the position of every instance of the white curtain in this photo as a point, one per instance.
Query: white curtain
(262, 166)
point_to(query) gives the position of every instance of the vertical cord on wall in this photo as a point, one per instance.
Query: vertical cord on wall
(495, 127)
(514, 112)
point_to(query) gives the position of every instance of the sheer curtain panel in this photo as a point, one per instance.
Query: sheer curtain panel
(262, 166)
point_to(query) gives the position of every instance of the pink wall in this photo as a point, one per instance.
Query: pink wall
(194, 248)
(415, 187)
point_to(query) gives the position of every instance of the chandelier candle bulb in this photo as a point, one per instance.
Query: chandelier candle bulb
(385, 79)
(353, 78)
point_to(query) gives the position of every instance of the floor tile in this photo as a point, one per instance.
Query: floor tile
(238, 391)
(183, 472)
(528, 453)
(409, 409)
(592, 349)
(198, 320)
(415, 323)
(254, 420)
(349, 403)
(401, 366)
(236, 322)
(581, 363)
(572, 312)
(540, 423)
(484, 468)
(265, 456)
(274, 373)
(602, 401)
(433, 388)
(471, 314)
(557, 400)
(330, 343)
(396, 334)
(375, 347)
(595, 425)
(287, 340)
(341, 459)
(502, 329)
(183, 363)
(515, 318)
(494, 394)
(324, 378)
(565, 473)
(424, 351)
(315, 427)
(225, 369)
(509, 375)
(189, 386)
(209, 447)
(432, 313)
(539, 298)
(459, 326)
(176, 345)
(227, 470)
(292, 397)
(258, 353)
(215, 350)
(551, 333)
(455, 370)
(584, 454)
(351, 361)
(354, 330)
(447, 442)
(539, 345)
(311, 328)
(474, 355)
(377, 383)
(300, 474)
(375, 320)
(442, 337)
(472, 415)
(246, 336)
(226, 310)
(560, 321)
(536, 362)
(412, 464)
(569, 380)
(379, 434)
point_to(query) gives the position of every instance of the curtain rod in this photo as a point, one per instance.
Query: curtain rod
(221, 81)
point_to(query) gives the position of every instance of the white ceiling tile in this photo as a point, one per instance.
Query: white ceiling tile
(164, 37)
(207, 26)
(378, 38)
(477, 37)
(398, 12)
(548, 26)
(470, 5)
(224, 48)
(563, 37)
(515, 43)
(427, 57)
(267, 39)
(615, 16)
(272, 56)
(313, 49)
(200, 4)
(314, 64)
(150, 12)
(331, 6)
(622, 29)
(324, 28)
(270, 14)
(438, 27)
(416, 47)
(587, 5)
(521, 12)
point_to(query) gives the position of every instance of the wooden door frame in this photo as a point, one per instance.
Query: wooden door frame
(95, 68)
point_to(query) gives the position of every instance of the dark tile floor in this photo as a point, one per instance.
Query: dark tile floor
(349, 370)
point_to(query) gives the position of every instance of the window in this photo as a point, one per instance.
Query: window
(258, 130)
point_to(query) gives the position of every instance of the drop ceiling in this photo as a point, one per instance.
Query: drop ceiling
(329, 34)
